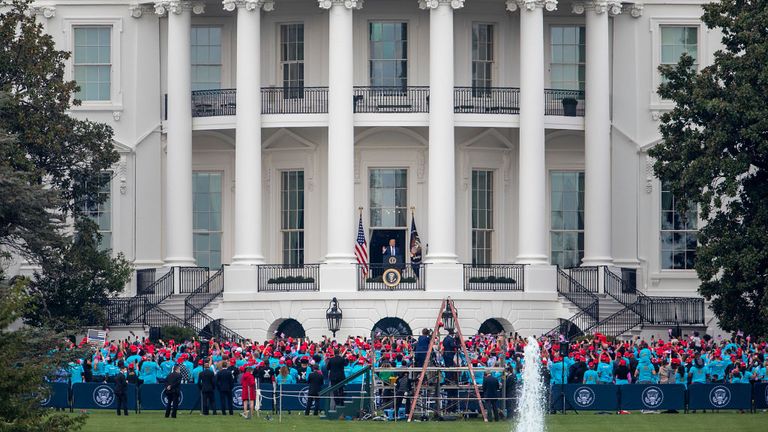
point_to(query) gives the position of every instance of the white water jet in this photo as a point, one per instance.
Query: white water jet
(531, 399)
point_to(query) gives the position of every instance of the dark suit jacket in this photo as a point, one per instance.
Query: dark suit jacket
(490, 387)
(224, 380)
(315, 381)
(121, 385)
(173, 381)
(336, 368)
(206, 381)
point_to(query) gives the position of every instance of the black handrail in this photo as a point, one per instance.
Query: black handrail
(144, 279)
(372, 281)
(209, 327)
(190, 278)
(494, 277)
(160, 290)
(588, 277)
(204, 294)
(486, 100)
(287, 278)
(562, 102)
(617, 324)
(215, 102)
(394, 99)
(294, 100)
(570, 288)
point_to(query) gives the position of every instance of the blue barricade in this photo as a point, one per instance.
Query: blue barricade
(586, 397)
(760, 395)
(653, 397)
(58, 396)
(153, 397)
(719, 396)
(99, 396)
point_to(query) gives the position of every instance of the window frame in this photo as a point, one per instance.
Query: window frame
(298, 93)
(95, 214)
(404, 208)
(661, 231)
(408, 59)
(489, 231)
(477, 90)
(222, 173)
(550, 56)
(704, 57)
(115, 102)
(221, 54)
(283, 229)
(550, 210)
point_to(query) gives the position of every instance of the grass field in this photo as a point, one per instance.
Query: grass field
(587, 422)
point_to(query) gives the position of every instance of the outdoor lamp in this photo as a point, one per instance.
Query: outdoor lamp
(333, 315)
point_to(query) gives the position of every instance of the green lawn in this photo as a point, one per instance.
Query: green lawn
(154, 422)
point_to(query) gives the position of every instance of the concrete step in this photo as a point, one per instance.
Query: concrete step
(174, 304)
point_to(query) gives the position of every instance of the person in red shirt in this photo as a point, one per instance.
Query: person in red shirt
(248, 382)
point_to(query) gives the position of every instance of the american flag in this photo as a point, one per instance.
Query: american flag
(361, 248)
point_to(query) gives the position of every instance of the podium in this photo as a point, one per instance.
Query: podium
(393, 270)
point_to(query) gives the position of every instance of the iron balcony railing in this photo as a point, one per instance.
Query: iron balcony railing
(154, 294)
(294, 100)
(494, 277)
(287, 278)
(585, 299)
(204, 294)
(412, 277)
(587, 277)
(406, 99)
(562, 102)
(190, 278)
(212, 103)
(618, 323)
(486, 100)
(208, 327)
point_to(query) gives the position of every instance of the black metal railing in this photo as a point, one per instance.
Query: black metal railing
(411, 99)
(144, 279)
(486, 100)
(494, 277)
(588, 277)
(574, 326)
(294, 100)
(212, 103)
(286, 278)
(208, 327)
(562, 102)
(621, 292)
(204, 294)
(572, 289)
(160, 290)
(617, 324)
(190, 278)
(411, 280)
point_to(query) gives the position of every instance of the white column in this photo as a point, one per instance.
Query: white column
(178, 186)
(532, 218)
(341, 129)
(248, 215)
(597, 135)
(441, 220)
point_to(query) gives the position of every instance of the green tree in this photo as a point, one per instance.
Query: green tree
(51, 171)
(714, 155)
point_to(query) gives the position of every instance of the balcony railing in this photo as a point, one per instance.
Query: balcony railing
(391, 99)
(294, 100)
(213, 103)
(411, 279)
(486, 100)
(494, 277)
(560, 102)
(286, 278)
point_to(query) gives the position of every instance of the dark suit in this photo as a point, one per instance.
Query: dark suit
(315, 381)
(121, 390)
(491, 395)
(172, 391)
(336, 375)
(402, 393)
(224, 382)
(206, 382)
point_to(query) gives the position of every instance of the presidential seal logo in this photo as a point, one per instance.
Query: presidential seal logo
(652, 397)
(584, 397)
(391, 277)
(237, 397)
(304, 396)
(164, 398)
(103, 396)
(720, 396)
(392, 260)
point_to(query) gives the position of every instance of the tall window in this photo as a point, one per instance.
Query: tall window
(101, 212)
(93, 62)
(482, 217)
(389, 197)
(206, 58)
(292, 215)
(679, 40)
(292, 59)
(567, 218)
(388, 54)
(206, 212)
(678, 234)
(482, 58)
(567, 70)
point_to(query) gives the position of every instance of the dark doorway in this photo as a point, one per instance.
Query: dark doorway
(380, 238)
(290, 328)
(491, 326)
(391, 326)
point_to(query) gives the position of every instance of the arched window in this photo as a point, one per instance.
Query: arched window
(391, 326)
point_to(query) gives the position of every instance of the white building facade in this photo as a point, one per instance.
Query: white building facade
(255, 135)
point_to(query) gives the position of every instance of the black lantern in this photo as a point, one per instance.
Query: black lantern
(448, 322)
(333, 315)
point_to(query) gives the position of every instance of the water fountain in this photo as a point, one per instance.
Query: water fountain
(531, 398)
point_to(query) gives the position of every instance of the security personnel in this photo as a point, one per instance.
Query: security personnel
(206, 382)
(315, 381)
(173, 391)
(225, 380)
(491, 395)
(121, 388)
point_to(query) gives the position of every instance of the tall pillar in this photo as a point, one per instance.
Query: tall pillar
(441, 221)
(597, 134)
(248, 215)
(341, 140)
(178, 185)
(532, 192)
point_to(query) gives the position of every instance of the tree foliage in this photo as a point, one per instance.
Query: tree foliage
(714, 155)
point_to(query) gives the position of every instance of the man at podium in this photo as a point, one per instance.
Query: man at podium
(389, 251)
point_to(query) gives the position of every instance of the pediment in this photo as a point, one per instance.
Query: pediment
(285, 139)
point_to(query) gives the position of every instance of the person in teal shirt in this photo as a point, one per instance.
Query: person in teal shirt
(148, 372)
(284, 377)
(645, 371)
(196, 371)
(717, 368)
(698, 372)
(166, 367)
(559, 371)
(75, 372)
(591, 376)
(605, 372)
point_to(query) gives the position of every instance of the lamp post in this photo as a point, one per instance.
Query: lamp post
(448, 321)
(333, 316)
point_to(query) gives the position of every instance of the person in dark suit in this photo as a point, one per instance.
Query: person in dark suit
(422, 346)
(336, 375)
(206, 382)
(172, 391)
(449, 359)
(510, 397)
(491, 395)
(121, 390)
(315, 381)
(388, 251)
(402, 393)
(225, 380)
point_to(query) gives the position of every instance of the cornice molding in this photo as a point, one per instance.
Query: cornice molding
(530, 5)
(612, 7)
(178, 6)
(249, 5)
(349, 4)
(138, 10)
(46, 11)
(434, 4)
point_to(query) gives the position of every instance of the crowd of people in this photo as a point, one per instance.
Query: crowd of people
(218, 366)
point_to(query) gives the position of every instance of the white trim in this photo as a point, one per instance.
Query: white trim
(115, 102)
